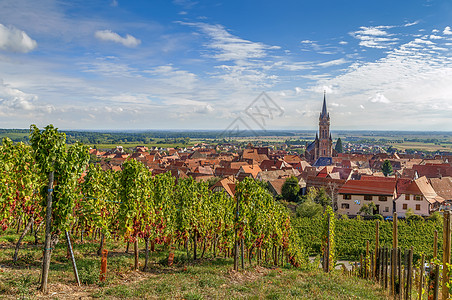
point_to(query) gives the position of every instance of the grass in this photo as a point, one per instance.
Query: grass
(204, 279)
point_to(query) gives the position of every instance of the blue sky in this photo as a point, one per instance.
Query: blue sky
(113, 64)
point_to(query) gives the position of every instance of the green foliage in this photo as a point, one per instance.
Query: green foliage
(338, 147)
(318, 196)
(414, 218)
(409, 213)
(351, 235)
(309, 209)
(328, 234)
(94, 209)
(378, 217)
(368, 209)
(386, 168)
(136, 199)
(49, 150)
(290, 189)
(19, 179)
(436, 217)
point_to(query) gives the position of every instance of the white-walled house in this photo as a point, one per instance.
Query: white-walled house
(355, 193)
(418, 195)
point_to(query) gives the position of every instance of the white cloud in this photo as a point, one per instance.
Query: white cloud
(361, 106)
(13, 100)
(108, 35)
(412, 78)
(228, 47)
(114, 3)
(298, 90)
(447, 31)
(335, 62)
(379, 98)
(375, 37)
(343, 42)
(411, 24)
(308, 45)
(435, 31)
(15, 40)
(435, 37)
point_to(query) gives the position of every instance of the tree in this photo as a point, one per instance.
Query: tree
(435, 217)
(339, 148)
(368, 209)
(290, 189)
(322, 198)
(318, 196)
(309, 209)
(386, 168)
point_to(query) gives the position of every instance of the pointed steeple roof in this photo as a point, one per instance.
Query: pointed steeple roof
(324, 111)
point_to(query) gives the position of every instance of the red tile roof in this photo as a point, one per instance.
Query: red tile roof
(368, 187)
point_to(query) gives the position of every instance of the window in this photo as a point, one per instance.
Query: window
(418, 207)
(382, 198)
(418, 197)
(347, 197)
(407, 197)
(386, 208)
(345, 205)
(405, 206)
(367, 197)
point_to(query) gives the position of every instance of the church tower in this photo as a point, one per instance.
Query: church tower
(325, 148)
(322, 146)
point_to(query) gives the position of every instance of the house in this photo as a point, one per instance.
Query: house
(276, 185)
(269, 164)
(248, 171)
(431, 170)
(275, 174)
(443, 187)
(355, 193)
(417, 195)
(226, 185)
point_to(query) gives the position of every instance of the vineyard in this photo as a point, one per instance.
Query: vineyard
(352, 234)
(63, 211)
(49, 188)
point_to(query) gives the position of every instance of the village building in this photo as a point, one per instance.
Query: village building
(356, 193)
(418, 196)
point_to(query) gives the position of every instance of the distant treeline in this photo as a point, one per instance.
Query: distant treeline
(144, 137)
(182, 136)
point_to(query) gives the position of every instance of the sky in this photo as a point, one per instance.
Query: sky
(183, 64)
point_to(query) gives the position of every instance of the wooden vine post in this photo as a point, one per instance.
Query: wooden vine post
(136, 253)
(366, 263)
(435, 245)
(377, 245)
(328, 244)
(394, 253)
(236, 243)
(421, 277)
(103, 265)
(446, 254)
(47, 243)
(71, 253)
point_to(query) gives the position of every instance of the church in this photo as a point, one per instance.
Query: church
(320, 151)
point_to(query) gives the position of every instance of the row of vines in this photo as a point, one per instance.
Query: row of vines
(47, 185)
(351, 235)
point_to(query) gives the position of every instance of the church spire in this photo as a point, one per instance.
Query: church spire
(324, 111)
